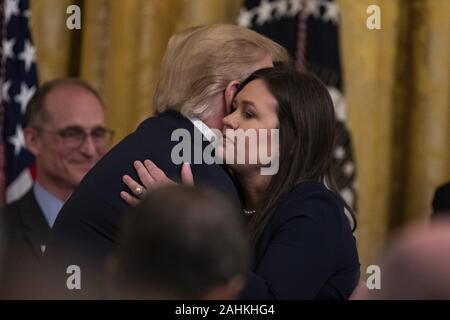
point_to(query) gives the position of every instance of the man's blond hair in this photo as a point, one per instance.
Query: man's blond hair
(200, 62)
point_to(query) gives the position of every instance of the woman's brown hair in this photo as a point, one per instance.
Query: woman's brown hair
(307, 131)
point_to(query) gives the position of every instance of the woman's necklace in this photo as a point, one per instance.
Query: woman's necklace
(248, 212)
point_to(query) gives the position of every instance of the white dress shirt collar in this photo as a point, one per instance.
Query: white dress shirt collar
(203, 128)
(49, 204)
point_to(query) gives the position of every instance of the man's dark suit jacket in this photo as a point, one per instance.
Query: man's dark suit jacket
(306, 251)
(26, 231)
(87, 228)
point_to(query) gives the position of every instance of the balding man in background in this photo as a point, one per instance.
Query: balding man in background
(66, 133)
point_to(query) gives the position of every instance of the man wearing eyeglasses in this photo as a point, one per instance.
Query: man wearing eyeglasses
(67, 135)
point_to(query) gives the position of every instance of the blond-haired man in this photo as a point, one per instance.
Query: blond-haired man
(201, 71)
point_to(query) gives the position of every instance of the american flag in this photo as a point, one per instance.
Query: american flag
(308, 29)
(18, 78)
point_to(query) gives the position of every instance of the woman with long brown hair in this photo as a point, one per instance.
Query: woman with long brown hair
(302, 238)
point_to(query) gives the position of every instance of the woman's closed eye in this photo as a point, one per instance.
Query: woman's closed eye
(243, 109)
(248, 115)
(247, 112)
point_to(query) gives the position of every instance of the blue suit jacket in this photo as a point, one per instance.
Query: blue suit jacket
(87, 227)
(306, 251)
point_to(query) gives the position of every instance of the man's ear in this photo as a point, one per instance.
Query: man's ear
(230, 91)
(32, 143)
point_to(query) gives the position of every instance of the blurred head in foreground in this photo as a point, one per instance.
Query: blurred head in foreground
(2, 241)
(181, 243)
(416, 266)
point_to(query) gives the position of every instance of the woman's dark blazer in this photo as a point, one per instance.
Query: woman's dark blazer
(306, 251)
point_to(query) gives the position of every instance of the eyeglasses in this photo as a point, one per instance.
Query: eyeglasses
(73, 137)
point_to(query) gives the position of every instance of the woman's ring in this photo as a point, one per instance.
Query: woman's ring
(138, 191)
